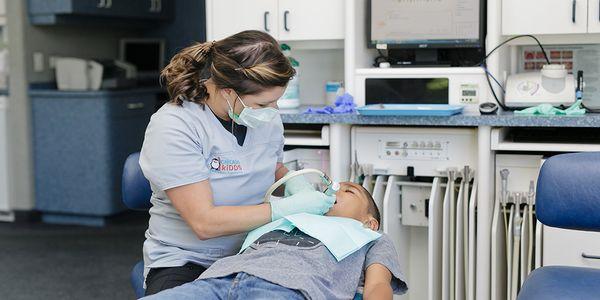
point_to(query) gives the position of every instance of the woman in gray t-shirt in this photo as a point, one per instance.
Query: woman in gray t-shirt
(211, 153)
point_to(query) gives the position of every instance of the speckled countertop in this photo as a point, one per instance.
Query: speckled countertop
(504, 119)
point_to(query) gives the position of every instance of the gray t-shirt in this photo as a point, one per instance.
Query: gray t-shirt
(300, 262)
(187, 144)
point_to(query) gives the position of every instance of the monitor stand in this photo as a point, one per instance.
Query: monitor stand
(421, 58)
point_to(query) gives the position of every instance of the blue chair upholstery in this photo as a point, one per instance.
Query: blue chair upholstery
(558, 282)
(136, 195)
(137, 279)
(568, 191)
(135, 187)
(568, 196)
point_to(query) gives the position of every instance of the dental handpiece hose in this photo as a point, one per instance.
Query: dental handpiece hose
(332, 186)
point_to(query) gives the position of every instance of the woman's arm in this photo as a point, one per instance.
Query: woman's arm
(195, 204)
(378, 283)
(280, 171)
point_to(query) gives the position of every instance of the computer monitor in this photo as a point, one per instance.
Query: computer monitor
(146, 54)
(426, 24)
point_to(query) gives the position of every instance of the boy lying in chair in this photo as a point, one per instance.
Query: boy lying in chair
(307, 257)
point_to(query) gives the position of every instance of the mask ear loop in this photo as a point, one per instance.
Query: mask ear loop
(232, 111)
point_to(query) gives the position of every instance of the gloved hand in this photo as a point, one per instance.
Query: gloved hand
(297, 184)
(311, 202)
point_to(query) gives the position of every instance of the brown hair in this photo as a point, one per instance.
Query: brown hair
(247, 62)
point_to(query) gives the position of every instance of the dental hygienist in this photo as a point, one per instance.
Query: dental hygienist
(212, 152)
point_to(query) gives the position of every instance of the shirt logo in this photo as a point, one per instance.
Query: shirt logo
(228, 166)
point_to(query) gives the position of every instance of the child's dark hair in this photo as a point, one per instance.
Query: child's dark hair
(373, 210)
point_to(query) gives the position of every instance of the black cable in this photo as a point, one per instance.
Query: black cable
(381, 58)
(590, 110)
(495, 80)
(483, 64)
(487, 77)
(513, 38)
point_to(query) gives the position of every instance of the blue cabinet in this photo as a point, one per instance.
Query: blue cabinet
(51, 12)
(80, 142)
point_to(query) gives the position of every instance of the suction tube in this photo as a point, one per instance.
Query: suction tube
(332, 186)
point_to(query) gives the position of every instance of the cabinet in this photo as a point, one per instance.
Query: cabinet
(49, 12)
(81, 140)
(286, 20)
(594, 16)
(311, 20)
(546, 16)
(247, 15)
(566, 247)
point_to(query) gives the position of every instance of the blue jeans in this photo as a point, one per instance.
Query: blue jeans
(238, 286)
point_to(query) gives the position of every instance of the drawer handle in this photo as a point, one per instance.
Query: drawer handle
(137, 105)
(574, 11)
(285, 20)
(265, 17)
(589, 256)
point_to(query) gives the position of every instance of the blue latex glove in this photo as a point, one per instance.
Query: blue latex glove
(311, 202)
(344, 104)
(297, 184)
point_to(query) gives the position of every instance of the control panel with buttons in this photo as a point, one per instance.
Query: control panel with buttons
(425, 149)
(469, 93)
(413, 151)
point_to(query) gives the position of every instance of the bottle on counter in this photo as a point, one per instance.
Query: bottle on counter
(291, 96)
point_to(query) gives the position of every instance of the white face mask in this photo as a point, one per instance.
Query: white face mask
(252, 117)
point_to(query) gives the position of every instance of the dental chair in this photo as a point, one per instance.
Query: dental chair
(136, 194)
(568, 196)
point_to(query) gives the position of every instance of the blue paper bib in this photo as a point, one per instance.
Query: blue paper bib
(341, 236)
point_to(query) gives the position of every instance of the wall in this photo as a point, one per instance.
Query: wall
(189, 26)
(79, 41)
(90, 42)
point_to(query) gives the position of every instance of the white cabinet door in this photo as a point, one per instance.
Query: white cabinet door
(544, 16)
(565, 247)
(311, 20)
(594, 16)
(227, 17)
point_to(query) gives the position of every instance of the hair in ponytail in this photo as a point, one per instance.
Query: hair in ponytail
(247, 62)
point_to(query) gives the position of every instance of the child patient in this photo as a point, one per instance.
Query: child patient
(294, 265)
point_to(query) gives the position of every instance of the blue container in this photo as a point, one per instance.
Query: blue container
(81, 140)
(440, 110)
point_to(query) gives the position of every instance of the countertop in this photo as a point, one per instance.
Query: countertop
(503, 119)
(47, 92)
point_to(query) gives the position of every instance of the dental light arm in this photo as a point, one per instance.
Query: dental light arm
(332, 186)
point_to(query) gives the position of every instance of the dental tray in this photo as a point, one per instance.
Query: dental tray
(409, 110)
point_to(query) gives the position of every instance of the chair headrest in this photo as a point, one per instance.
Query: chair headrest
(568, 191)
(136, 190)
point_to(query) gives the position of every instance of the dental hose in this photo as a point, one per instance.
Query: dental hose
(332, 186)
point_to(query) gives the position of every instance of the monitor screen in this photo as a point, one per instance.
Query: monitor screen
(428, 23)
(145, 54)
(406, 90)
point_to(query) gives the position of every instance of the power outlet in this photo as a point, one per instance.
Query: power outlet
(38, 62)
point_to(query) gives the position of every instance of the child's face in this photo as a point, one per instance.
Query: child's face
(350, 203)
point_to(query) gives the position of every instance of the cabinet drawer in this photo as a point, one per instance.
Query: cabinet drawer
(132, 106)
(66, 10)
(566, 247)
